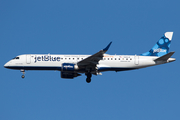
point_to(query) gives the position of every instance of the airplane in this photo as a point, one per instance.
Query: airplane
(72, 66)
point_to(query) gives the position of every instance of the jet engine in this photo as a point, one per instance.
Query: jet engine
(68, 70)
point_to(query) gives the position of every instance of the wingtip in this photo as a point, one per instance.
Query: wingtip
(105, 49)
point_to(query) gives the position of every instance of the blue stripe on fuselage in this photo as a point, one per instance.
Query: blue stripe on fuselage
(100, 69)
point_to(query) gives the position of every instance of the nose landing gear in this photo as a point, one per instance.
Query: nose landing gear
(23, 71)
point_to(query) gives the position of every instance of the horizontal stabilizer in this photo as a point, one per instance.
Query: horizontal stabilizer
(165, 57)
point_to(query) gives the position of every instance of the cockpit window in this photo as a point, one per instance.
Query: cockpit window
(16, 58)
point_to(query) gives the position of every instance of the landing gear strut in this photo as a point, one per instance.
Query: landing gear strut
(23, 71)
(88, 79)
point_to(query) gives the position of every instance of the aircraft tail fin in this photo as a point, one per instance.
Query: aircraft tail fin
(161, 47)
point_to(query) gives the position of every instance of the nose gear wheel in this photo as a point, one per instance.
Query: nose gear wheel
(23, 71)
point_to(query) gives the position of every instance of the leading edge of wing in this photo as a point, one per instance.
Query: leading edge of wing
(94, 59)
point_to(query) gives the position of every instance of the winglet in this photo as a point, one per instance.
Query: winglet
(105, 49)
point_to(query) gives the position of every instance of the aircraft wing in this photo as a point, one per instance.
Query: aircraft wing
(93, 60)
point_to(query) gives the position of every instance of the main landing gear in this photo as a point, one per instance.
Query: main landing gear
(23, 71)
(88, 79)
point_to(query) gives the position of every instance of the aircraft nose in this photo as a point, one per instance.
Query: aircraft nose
(6, 65)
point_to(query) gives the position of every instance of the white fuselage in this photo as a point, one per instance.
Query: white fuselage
(108, 63)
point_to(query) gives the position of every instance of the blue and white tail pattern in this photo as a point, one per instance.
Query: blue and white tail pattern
(161, 47)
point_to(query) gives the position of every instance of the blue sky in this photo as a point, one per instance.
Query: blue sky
(85, 27)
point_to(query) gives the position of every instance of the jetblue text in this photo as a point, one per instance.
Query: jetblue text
(46, 58)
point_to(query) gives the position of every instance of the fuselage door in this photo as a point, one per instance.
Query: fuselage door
(136, 59)
(28, 59)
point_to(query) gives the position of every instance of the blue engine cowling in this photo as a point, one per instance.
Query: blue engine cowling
(68, 70)
(68, 67)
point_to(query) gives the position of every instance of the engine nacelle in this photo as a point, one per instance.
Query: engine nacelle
(69, 75)
(67, 70)
(69, 67)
